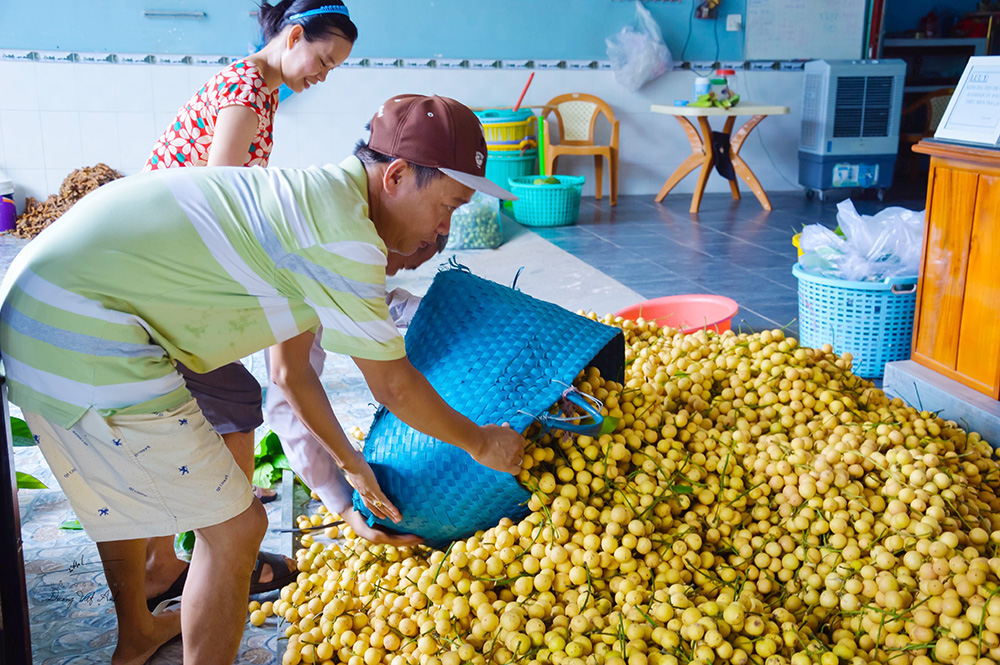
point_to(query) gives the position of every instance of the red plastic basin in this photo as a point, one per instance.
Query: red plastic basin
(689, 313)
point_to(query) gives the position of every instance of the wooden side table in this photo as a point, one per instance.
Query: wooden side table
(701, 147)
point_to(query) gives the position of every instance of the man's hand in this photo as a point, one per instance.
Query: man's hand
(502, 448)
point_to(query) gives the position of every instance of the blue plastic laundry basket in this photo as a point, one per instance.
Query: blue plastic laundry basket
(871, 320)
(495, 355)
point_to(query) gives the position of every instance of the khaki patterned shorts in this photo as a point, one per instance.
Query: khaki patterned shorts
(144, 475)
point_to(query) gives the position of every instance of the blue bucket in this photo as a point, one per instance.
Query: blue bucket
(495, 355)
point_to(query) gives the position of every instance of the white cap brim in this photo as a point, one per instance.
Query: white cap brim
(479, 183)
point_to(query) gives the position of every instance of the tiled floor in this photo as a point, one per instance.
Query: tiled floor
(730, 248)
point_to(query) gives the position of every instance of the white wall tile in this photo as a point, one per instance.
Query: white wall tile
(23, 139)
(133, 87)
(199, 74)
(124, 108)
(99, 138)
(320, 140)
(54, 177)
(171, 87)
(162, 120)
(285, 152)
(56, 84)
(20, 86)
(136, 134)
(95, 86)
(28, 182)
(61, 139)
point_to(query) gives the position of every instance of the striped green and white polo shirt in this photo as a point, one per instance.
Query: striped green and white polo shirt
(204, 266)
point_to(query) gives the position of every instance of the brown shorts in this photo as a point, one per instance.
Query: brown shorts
(229, 396)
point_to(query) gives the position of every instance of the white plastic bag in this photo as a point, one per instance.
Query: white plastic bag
(873, 248)
(638, 53)
(476, 225)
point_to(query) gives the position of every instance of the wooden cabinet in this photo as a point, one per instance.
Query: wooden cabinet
(957, 321)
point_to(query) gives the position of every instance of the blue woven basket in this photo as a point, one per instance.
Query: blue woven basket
(495, 355)
(871, 320)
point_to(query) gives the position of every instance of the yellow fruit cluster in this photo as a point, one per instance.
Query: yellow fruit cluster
(755, 503)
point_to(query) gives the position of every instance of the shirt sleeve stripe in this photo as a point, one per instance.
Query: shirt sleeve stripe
(289, 260)
(195, 205)
(290, 207)
(71, 341)
(355, 250)
(325, 276)
(380, 331)
(45, 291)
(82, 394)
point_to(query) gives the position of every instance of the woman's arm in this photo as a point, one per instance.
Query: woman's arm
(234, 131)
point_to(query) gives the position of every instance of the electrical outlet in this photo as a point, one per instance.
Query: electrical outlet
(734, 22)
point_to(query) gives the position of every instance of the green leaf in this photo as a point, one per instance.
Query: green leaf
(71, 525)
(262, 475)
(270, 445)
(20, 434)
(610, 423)
(185, 541)
(29, 482)
(280, 462)
(681, 489)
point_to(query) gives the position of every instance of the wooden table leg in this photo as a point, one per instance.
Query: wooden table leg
(734, 185)
(696, 157)
(741, 167)
(707, 164)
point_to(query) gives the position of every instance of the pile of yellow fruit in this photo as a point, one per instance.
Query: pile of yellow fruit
(755, 503)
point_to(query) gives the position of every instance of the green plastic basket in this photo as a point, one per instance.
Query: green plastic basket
(547, 204)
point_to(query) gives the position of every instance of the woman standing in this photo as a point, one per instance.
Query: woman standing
(228, 122)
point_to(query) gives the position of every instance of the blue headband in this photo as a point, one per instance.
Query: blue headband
(326, 9)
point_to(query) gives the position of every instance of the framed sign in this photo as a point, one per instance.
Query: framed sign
(973, 114)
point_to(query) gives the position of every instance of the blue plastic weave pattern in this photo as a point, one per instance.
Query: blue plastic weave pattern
(547, 204)
(871, 320)
(495, 355)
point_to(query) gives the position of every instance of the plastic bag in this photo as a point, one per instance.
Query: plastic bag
(476, 225)
(872, 248)
(638, 53)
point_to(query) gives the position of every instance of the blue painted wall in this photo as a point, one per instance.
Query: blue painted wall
(513, 29)
(905, 15)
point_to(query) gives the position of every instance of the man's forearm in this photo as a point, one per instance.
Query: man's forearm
(411, 398)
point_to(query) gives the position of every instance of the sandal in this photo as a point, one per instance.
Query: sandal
(175, 590)
(279, 578)
(264, 498)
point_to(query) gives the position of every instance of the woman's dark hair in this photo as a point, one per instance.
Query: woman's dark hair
(274, 18)
(368, 157)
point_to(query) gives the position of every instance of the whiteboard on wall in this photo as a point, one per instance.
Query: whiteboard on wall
(805, 29)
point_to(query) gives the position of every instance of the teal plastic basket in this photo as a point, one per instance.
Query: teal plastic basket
(547, 204)
(873, 321)
(495, 355)
(503, 165)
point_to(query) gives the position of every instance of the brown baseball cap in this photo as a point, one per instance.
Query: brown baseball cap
(438, 132)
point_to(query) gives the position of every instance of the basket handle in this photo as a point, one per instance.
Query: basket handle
(590, 405)
(901, 285)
